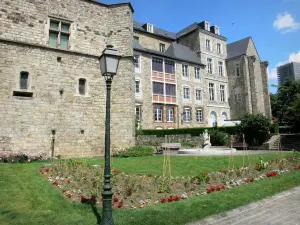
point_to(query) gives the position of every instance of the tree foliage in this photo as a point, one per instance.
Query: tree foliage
(255, 128)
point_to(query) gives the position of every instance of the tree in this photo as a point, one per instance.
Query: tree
(295, 114)
(255, 128)
(274, 105)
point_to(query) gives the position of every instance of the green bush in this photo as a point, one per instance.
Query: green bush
(191, 131)
(190, 144)
(255, 128)
(218, 138)
(137, 151)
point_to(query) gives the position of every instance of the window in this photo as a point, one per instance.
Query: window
(238, 97)
(220, 68)
(207, 25)
(136, 63)
(198, 95)
(59, 34)
(209, 65)
(170, 114)
(186, 93)
(208, 45)
(150, 27)
(197, 73)
(158, 114)
(24, 76)
(136, 38)
(237, 70)
(171, 90)
(169, 67)
(138, 112)
(162, 47)
(222, 93)
(82, 86)
(211, 92)
(158, 88)
(185, 70)
(137, 87)
(217, 30)
(199, 115)
(187, 115)
(219, 49)
(157, 64)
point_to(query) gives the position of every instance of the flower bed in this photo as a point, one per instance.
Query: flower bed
(81, 182)
(19, 157)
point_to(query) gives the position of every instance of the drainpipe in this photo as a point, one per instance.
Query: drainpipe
(52, 143)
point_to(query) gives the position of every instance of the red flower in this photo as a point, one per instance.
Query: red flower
(115, 199)
(209, 190)
(149, 175)
(47, 170)
(252, 179)
(120, 205)
(69, 181)
(223, 187)
(102, 167)
(79, 163)
(55, 183)
(83, 199)
(218, 189)
(138, 174)
(69, 195)
(163, 200)
(93, 197)
(213, 188)
(170, 199)
(176, 198)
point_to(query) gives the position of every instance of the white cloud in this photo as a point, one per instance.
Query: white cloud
(293, 57)
(285, 23)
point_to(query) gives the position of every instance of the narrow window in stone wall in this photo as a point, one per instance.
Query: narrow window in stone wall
(208, 45)
(157, 64)
(138, 112)
(199, 115)
(24, 76)
(209, 65)
(137, 87)
(220, 68)
(158, 114)
(222, 93)
(219, 48)
(59, 34)
(82, 86)
(186, 93)
(198, 95)
(197, 73)
(170, 114)
(237, 70)
(187, 115)
(211, 92)
(185, 70)
(136, 59)
(169, 67)
(162, 47)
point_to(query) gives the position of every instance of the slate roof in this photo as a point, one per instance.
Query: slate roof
(188, 29)
(175, 51)
(237, 48)
(156, 31)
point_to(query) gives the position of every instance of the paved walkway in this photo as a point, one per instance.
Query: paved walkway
(280, 209)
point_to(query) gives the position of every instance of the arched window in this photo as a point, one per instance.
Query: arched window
(224, 117)
(213, 119)
(82, 86)
(24, 76)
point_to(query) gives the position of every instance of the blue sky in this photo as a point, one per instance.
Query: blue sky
(273, 24)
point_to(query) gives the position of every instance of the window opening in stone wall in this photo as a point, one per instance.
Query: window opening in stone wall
(209, 65)
(197, 73)
(222, 93)
(211, 92)
(185, 70)
(137, 86)
(82, 86)
(219, 48)
(198, 95)
(171, 90)
(162, 47)
(187, 115)
(157, 64)
(158, 114)
(170, 114)
(158, 88)
(59, 34)
(199, 115)
(136, 38)
(169, 67)
(186, 93)
(220, 67)
(136, 59)
(138, 112)
(208, 45)
(24, 77)
(237, 70)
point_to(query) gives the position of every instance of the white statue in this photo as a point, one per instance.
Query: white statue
(206, 137)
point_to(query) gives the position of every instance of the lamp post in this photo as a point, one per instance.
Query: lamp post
(109, 62)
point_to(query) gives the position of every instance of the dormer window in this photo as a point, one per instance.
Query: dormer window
(207, 26)
(162, 47)
(150, 27)
(217, 30)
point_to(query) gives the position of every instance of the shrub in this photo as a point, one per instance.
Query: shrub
(137, 151)
(255, 128)
(190, 144)
(20, 157)
(218, 138)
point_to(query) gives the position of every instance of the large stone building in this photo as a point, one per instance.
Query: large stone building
(289, 71)
(51, 78)
(51, 83)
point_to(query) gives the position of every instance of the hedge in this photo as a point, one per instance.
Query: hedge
(191, 131)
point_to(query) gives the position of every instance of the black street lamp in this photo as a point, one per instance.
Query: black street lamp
(109, 62)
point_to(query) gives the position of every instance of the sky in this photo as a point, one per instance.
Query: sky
(273, 24)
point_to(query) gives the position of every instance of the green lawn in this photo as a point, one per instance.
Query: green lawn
(26, 198)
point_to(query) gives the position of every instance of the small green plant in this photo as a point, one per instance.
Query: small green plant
(137, 151)
(262, 165)
(218, 138)
(190, 144)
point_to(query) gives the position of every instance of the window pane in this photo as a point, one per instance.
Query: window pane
(136, 61)
(157, 64)
(171, 89)
(64, 41)
(24, 80)
(65, 27)
(137, 86)
(54, 25)
(82, 86)
(158, 88)
(169, 67)
(53, 39)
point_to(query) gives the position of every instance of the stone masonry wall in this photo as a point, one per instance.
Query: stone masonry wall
(25, 122)
(266, 94)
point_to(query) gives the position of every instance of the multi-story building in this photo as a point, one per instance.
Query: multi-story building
(248, 80)
(51, 81)
(289, 71)
(181, 78)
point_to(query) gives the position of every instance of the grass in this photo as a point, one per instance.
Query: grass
(26, 198)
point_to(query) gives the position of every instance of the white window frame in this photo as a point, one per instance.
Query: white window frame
(207, 26)
(208, 44)
(150, 27)
(187, 117)
(162, 47)
(222, 69)
(170, 114)
(185, 71)
(198, 95)
(138, 113)
(197, 73)
(158, 114)
(199, 116)
(222, 93)
(186, 93)
(219, 48)
(139, 87)
(137, 69)
(209, 69)
(217, 30)
(212, 96)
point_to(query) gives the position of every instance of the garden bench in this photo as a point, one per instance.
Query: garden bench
(165, 146)
(239, 145)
